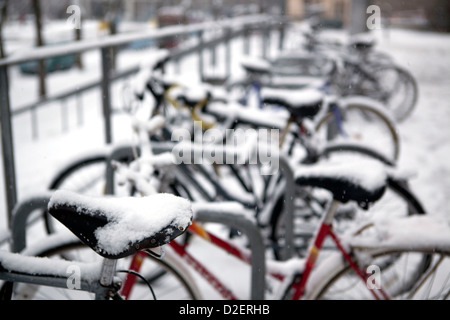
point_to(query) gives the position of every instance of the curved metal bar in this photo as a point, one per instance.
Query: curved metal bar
(21, 213)
(250, 229)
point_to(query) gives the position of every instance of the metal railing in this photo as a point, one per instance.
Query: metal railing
(231, 28)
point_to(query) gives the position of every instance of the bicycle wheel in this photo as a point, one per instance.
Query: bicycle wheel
(310, 203)
(86, 176)
(167, 278)
(397, 89)
(403, 273)
(361, 121)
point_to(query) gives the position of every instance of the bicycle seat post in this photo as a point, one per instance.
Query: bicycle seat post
(331, 212)
(108, 271)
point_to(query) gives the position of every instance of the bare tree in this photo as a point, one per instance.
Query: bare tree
(438, 14)
(39, 42)
(78, 37)
(3, 16)
(112, 13)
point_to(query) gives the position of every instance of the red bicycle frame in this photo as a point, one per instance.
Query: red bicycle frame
(181, 250)
(297, 287)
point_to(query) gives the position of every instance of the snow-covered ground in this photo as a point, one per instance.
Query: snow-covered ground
(425, 136)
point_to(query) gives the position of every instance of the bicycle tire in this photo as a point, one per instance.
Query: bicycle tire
(86, 175)
(62, 175)
(363, 122)
(401, 98)
(174, 274)
(340, 281)
(388, 83)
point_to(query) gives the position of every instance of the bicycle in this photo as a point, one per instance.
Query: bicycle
(211, 237)
(334, 177)
(416, 245)
(349, 117)
(353, 69)
(85, 170)
(269, 206)
(362, 246)
(347, 113)
(197, 100)
(349, 120)
(365, 71)
(113, 228)
(346, 182)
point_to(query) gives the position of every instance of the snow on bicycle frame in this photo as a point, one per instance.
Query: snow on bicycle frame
(234, 146)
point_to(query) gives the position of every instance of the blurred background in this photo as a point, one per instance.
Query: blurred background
(36, 94)
(423, 14)
(61, 104)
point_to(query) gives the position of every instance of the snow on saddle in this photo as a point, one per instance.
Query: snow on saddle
(361, 181)
(301, 103)
(116, 227)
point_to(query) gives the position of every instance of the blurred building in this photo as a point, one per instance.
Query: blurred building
(138, 10)
(424, 14)
(430, 14)
(332, 12)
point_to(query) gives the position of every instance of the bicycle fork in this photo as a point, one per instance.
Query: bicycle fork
(336, 127)
(298, 287)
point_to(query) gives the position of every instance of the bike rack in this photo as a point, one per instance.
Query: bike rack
(240, 222)
(244, 224)
(257, 247)
(21, 213)
(23, 210)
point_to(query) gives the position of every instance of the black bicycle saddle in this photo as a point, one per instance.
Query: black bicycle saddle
(301, 103)
(362, 182)
(116, 227)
